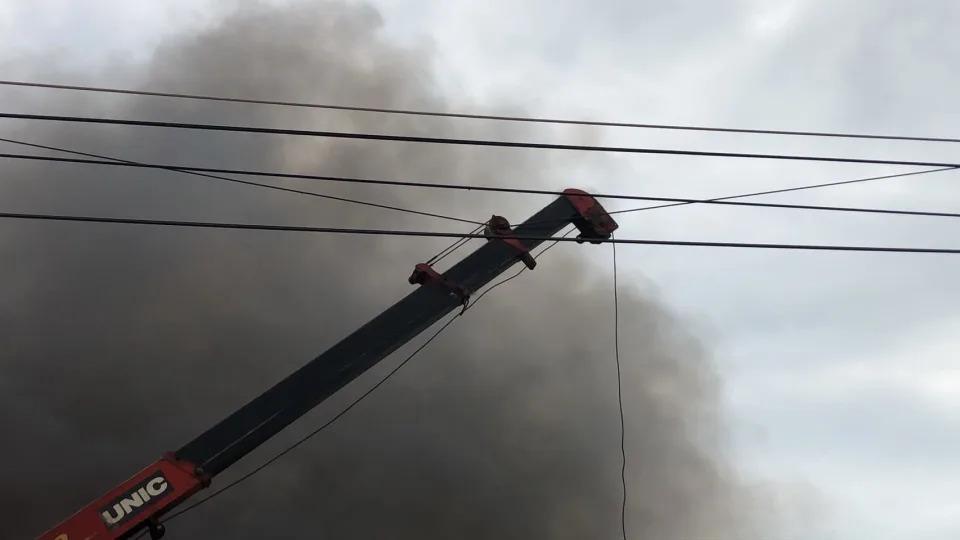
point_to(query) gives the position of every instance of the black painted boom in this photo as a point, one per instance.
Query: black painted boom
(264, 416)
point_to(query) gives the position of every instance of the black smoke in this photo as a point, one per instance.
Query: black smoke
(120, 342)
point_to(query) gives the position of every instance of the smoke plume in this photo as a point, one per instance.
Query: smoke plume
(120, 342)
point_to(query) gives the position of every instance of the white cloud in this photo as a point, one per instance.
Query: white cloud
(922, 364)
(85, 33)
(830, 355)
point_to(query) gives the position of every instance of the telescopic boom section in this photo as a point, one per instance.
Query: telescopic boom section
(139, 502)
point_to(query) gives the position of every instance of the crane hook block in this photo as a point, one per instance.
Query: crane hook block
(499, 228)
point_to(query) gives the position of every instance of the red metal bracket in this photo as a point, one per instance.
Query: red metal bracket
(137, 501)
(594, 223)
(499, 228)
(423, 274)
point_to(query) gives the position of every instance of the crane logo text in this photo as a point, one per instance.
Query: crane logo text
(135, 501)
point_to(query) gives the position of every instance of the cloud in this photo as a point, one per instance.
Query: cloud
(792, 329)
(122, 342)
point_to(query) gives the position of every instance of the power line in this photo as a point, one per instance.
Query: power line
(787, 190)
(616, 312)
(718, 200)
(388, 232)
(677, 201)
(528, 119)
(613, 242)
(124, 162)
(463, 142)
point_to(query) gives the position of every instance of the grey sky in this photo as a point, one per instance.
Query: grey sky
(840, 369)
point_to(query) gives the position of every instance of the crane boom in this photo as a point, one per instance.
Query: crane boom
(141, 500)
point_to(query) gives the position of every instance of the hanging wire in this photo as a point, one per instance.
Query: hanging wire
(354, 403)
(616, 349)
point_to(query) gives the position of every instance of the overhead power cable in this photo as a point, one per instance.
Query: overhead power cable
(528, 119)
(124, 162)
(720, 200)
(389, 232)
(462, 142)
(463, 187)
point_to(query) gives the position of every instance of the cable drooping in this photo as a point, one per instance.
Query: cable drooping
(389, 232)
(349, 407)
(787, 190)
(119, 161)
(623, 436)
(724, 200)
(541, 120)
(316, 431)
(517, 274)
(462, 142)
(616, 337)
(674, 201)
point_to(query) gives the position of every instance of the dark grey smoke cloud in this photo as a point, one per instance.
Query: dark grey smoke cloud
(120, 342)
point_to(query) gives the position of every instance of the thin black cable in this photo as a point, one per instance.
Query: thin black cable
(452, 248)
(623, 436)
(616, 334)
(327, 424)
(352, 404)
(448, 250)
(799, 188)
(541, 120)
(355, 402)
(316, 431)
(720, 200)
(675, 201)
(462, 142)
(497, 284)
(389, 232)
(517, 274)
(119, 161)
